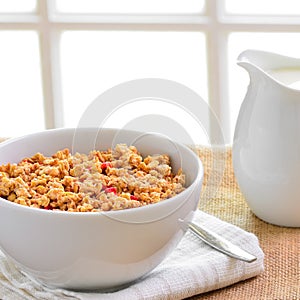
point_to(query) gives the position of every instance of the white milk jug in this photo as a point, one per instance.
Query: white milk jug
(266, 146)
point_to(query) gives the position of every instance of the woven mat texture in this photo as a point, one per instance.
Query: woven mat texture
(222, 198)
(281, 278)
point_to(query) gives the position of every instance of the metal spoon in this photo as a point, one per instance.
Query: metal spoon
(219, 243)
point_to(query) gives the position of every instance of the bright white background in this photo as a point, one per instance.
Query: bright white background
(57, 57)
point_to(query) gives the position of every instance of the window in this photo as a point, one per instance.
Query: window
(56, 57)
(20, 88)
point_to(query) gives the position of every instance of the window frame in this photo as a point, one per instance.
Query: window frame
(214, 22)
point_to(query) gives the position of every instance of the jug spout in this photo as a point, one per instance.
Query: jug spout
(251, 69)
(282, 70)
(255, 63)
(267, 60)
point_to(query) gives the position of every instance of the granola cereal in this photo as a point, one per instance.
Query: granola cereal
(99, 181)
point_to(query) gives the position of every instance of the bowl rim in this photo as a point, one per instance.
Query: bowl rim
(197, 180)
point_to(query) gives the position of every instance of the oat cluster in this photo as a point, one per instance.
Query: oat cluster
(100, 181)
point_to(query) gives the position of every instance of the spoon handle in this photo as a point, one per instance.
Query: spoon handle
(219, 243)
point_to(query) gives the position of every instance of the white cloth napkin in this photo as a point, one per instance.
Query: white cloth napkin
(192, 268)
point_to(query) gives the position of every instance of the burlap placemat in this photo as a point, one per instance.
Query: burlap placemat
(281, 278)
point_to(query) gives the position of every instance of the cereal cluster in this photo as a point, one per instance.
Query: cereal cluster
(100, 181)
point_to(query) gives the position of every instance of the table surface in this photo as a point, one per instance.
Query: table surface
(221, 197)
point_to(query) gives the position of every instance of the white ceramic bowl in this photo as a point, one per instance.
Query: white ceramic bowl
(91, 250)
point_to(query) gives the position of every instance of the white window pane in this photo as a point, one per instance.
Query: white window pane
(258, 7)
(93, 62)
(282, 43)
(17, 6)
(130, 6)
(20, 92)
